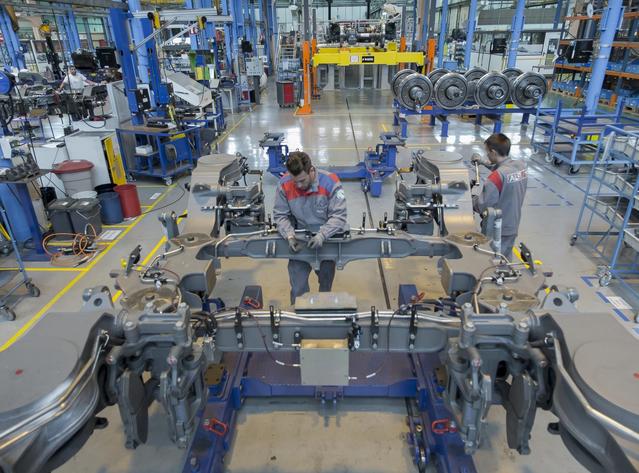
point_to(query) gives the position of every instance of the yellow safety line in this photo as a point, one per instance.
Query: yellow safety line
(228, 132)
(116, 226)
(154, 186)
(384, 127)
(38, 315)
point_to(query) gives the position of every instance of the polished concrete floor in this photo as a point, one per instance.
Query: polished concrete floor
(356, 436)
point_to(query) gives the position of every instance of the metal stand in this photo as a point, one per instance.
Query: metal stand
(433, 439)
(400, 113)
(378, 164)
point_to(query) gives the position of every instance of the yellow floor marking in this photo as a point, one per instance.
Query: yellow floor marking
(384, 127)
(38, 315)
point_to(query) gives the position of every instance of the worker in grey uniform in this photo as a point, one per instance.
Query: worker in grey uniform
(313, 200)
(504, 189)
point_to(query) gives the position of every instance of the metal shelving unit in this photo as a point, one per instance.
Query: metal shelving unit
(573, 137)
(622, 68)
(609, 217)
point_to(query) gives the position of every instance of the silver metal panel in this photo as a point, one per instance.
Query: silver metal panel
(324, 362)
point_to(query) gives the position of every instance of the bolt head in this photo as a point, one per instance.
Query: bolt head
(238, 336)
(240, 345)
(276, 336)
(129, 325)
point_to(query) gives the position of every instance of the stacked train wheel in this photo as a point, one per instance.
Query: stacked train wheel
(450, 90)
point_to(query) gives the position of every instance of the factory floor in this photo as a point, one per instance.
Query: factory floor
(300, 435)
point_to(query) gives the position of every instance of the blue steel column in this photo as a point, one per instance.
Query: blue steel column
(609, 23)
(63, 35)
(228, 35)
(137, 36)
(119, 23)
(442, 34)
(11, 40)
(106, 27)
(424, 36)
(72, 30)
(557, 19)
(414, 35)
(470, 32)
(515, 34)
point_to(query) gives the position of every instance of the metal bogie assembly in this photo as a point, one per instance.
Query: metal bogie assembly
(527, 89)
(450, 91)
(498, 335)
(414, 91)
(492, 90)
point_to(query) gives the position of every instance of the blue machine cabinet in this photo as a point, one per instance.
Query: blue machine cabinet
(378, 164)
(432, 436)
(174, 151)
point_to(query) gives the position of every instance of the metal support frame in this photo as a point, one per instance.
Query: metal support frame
(137, 35)
(442, 34)
(609, 23)
(11, 40)
(470, 32)
(424, 32)
(516, 29)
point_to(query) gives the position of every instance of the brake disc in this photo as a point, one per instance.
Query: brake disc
(437, 74)
(450, 90)
(492, 90)
(397, 78)
(512, 73)
(415, 91)
(161, 299)
(527, 89)
(472, 76)
(468, 238)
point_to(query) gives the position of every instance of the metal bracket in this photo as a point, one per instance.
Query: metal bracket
(239, 333)
(412, 329)
(275, 327)
(374, 328)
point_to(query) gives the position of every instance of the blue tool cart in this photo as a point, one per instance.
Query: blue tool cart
(169, 152)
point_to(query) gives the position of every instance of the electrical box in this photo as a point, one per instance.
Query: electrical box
(254, 66)
(143, 98)
(324, 362)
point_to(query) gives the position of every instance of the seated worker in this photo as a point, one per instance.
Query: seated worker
(310, 199)
(504, 189)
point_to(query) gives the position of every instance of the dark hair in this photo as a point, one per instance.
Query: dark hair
(499, 143)
(297, 162)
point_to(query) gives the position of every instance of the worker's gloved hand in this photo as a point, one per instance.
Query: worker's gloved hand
(316, 242)
(294, 245)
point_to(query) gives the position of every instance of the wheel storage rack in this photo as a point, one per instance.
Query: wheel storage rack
(609, 217)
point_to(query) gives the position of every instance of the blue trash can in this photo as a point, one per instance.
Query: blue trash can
(111, 210)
